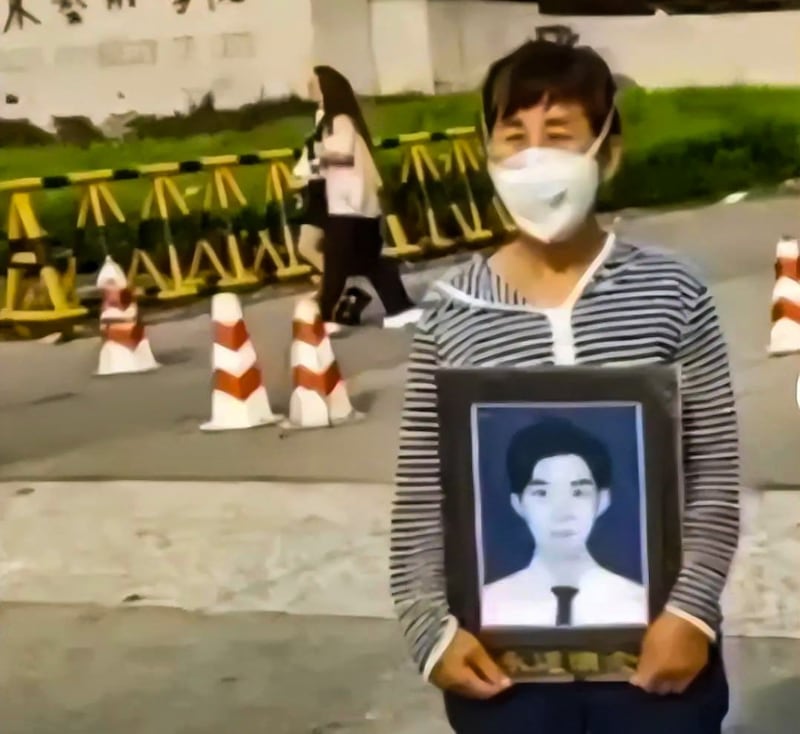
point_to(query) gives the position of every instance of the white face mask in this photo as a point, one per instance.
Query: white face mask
(549, 192)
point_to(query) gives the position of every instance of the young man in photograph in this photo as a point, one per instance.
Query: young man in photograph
(560, 479)
(565, 292)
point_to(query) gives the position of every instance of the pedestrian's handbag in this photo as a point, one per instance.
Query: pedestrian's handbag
(302, 169)
(307, 165)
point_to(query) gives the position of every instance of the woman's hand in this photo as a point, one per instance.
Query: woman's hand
(467, 669)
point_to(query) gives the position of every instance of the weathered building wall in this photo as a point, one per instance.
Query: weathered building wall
(150, 58)
(655, 50)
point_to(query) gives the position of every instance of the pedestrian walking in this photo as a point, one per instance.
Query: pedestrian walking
(312, 230)
(307, 170)
(353, 241)
(565, 292)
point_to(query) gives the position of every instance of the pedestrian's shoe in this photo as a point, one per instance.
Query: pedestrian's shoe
(350, 307)
(402, 319)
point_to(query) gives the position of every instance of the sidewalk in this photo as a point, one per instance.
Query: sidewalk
(78, 670)
(299, 548)
(251, 607)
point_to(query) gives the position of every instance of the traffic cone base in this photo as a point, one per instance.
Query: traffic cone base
(307, 409)
(126, 350)
(232, 414)
(308, 414)
(784, 338)
(340, 408)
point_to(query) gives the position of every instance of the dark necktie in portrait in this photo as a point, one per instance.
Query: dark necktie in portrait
(565, 595)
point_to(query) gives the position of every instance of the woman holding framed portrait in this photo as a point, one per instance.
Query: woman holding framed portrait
(567, 498)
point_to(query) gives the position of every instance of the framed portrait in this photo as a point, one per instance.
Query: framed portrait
(562, 512)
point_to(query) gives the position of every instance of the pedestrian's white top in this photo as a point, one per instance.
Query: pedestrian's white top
(352, 190)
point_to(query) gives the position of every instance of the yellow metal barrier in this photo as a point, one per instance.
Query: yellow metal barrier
(279, 185)
(462, 160)
(35, 290)
(220, 185)
(38, 291)
(172, 285)
(419, 163)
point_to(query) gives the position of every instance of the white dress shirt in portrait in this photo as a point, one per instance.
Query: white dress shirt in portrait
(526, 599)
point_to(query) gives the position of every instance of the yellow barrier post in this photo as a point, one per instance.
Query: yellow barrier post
(419, 163)
(400, 247)
(463, 161)
(162, 190)
(35, 291)
(93, 198)
(279, 183)
(220, 185)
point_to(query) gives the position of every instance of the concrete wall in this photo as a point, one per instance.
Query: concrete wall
(656, 51)
(158, 59)
(382, 46)
(343, 39)
(150, 59)
(403, 44)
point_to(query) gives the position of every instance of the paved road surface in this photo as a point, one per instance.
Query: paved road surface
(149, 671)
(68, 424)
(78, 670)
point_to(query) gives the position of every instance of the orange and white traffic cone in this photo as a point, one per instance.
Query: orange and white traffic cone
(320, 397)
(785, 331)
(125, 348)
(239, 399)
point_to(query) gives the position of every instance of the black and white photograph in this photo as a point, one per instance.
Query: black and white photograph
(560, 526)
(562, 488)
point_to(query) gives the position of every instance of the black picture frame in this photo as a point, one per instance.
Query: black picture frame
(561, 653)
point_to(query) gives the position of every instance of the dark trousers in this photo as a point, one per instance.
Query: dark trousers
(596, 708)
(316, 204)
(352, 246)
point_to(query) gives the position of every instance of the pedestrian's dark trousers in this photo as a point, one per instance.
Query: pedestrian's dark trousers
(352, 246)
(596, 708)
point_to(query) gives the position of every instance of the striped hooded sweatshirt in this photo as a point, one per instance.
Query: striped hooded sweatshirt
(633, 306)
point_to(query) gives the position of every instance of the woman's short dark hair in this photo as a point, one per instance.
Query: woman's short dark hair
(338, 98)
(562, 72)
(555, 437)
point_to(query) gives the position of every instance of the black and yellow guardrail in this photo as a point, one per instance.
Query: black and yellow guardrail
(431, 167)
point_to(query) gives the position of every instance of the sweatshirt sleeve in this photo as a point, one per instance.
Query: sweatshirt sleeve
(711, 468)
(417, 538)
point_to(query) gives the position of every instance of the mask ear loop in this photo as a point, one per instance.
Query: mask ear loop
(605, 130)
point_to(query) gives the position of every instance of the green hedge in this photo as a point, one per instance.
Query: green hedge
(681, 145)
